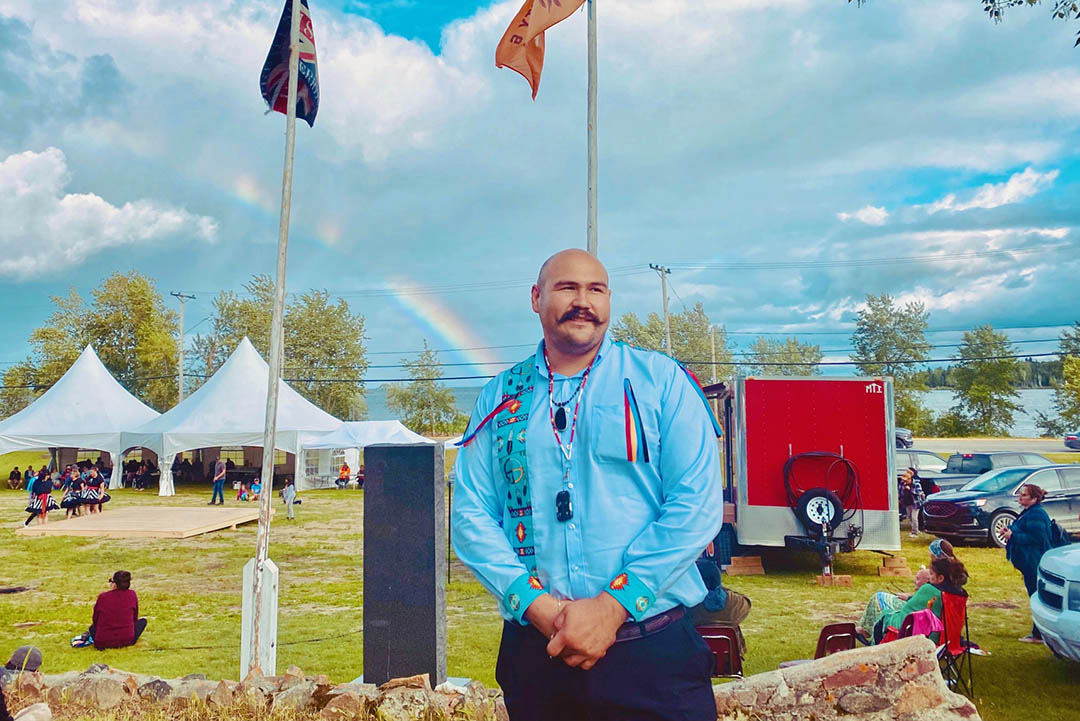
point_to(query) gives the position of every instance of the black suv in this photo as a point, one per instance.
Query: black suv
(986, 506)
(964, 467)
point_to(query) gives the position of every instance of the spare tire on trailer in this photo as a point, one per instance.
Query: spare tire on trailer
(817, 507)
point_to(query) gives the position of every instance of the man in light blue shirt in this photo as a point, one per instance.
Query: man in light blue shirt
(589, 483)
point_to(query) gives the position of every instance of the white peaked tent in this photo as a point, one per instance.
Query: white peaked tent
(360, 434)
(230, 410)
(86, 408)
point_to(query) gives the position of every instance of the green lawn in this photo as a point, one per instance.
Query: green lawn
(190, 590)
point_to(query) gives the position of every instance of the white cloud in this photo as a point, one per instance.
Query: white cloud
(1020, 186)
(871, 215)
(45, 228)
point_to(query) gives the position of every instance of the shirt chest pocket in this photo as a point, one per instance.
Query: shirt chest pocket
(622, 434)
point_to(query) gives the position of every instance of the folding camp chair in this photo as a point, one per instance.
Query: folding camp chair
(724, 644)
(954, 655)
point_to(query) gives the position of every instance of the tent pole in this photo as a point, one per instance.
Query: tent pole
(276, 346)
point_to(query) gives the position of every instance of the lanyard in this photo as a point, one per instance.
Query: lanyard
(567, 448)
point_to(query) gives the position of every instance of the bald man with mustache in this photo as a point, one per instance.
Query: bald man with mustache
(588, 484)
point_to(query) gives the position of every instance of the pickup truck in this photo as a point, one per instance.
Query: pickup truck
(962, 467)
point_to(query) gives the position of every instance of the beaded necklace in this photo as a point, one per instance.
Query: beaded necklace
(567, 448)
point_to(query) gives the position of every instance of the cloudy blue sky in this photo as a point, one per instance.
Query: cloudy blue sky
(802, 132)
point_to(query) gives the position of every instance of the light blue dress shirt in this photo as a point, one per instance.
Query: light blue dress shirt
(637, 526)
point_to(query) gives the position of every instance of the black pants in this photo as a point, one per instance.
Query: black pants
(1031, 583)
(140, 626)
(662, 677)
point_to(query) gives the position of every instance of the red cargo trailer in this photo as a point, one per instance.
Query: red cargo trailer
(811, 463)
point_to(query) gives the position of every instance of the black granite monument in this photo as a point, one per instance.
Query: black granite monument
(404, 563)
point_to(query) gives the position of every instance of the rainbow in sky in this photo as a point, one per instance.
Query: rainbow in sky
(446, 327)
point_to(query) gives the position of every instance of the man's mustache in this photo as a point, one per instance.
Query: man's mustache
(579, 314)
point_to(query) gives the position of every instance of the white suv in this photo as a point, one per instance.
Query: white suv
(1055, 607)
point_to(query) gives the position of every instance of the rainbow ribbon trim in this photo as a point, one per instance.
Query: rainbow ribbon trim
(635, 430)
(511, 403)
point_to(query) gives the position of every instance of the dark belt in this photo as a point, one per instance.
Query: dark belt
(632, 630)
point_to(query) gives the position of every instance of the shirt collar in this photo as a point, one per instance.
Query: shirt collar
(541, 366)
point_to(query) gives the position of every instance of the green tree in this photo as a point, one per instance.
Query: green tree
(135, 335)
(425, 404)
(325, 340)
(891, 340)
(325, 357)
(995, 9)
(986, 381)
(691, 338)
(129, 327)
(1066, 416)
(764, 351)
(236, 317)
(19, 389)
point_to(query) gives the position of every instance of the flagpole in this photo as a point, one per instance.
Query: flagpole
(276, 341)
(592, 230)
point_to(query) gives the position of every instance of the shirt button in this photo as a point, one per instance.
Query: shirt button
(576, 568)
(572, 526)
(569, 485)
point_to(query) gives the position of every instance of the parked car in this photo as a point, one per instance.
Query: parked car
(963, 467)
(919, 460)
(986, 506)
(1055, 607)
(1072, 440)
(904, 438)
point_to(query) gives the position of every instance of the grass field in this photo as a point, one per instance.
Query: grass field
(190, 591)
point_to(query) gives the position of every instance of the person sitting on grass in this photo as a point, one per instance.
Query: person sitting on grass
(116, 621)
(947, 575)
(15, 479)
(256, 489)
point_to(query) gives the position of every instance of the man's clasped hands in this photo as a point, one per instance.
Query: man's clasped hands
(581, 631)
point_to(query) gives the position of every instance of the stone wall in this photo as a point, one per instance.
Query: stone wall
(899, 681)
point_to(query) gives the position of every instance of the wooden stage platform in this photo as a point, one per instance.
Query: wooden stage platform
(145, 522)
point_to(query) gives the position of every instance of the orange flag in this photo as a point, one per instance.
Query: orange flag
(522, 46)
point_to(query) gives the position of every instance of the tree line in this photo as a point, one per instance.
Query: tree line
(135, 335)
(890, 340)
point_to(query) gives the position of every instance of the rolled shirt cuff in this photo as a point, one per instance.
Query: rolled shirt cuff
(632, 593)
(522, 592)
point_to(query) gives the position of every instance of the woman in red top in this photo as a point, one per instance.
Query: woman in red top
(116, 615)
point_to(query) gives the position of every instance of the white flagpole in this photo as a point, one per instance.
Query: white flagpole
(592, 230)
(276, 340)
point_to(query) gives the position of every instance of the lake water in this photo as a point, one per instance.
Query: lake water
(1030, 400)
(1036, 399)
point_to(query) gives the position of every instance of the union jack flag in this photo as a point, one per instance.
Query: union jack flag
(274, 81)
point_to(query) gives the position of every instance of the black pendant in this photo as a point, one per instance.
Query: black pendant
(560, 418)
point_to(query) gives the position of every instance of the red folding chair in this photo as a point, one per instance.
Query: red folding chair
(724, 644)
(954, 655)
(835, 637)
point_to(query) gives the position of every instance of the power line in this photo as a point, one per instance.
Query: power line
(686, 362)
(859, 262)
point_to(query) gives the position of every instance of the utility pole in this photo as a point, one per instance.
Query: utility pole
(593, 180)
(712, 329)
(715, 404)
(181, 296)
(663, 273)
